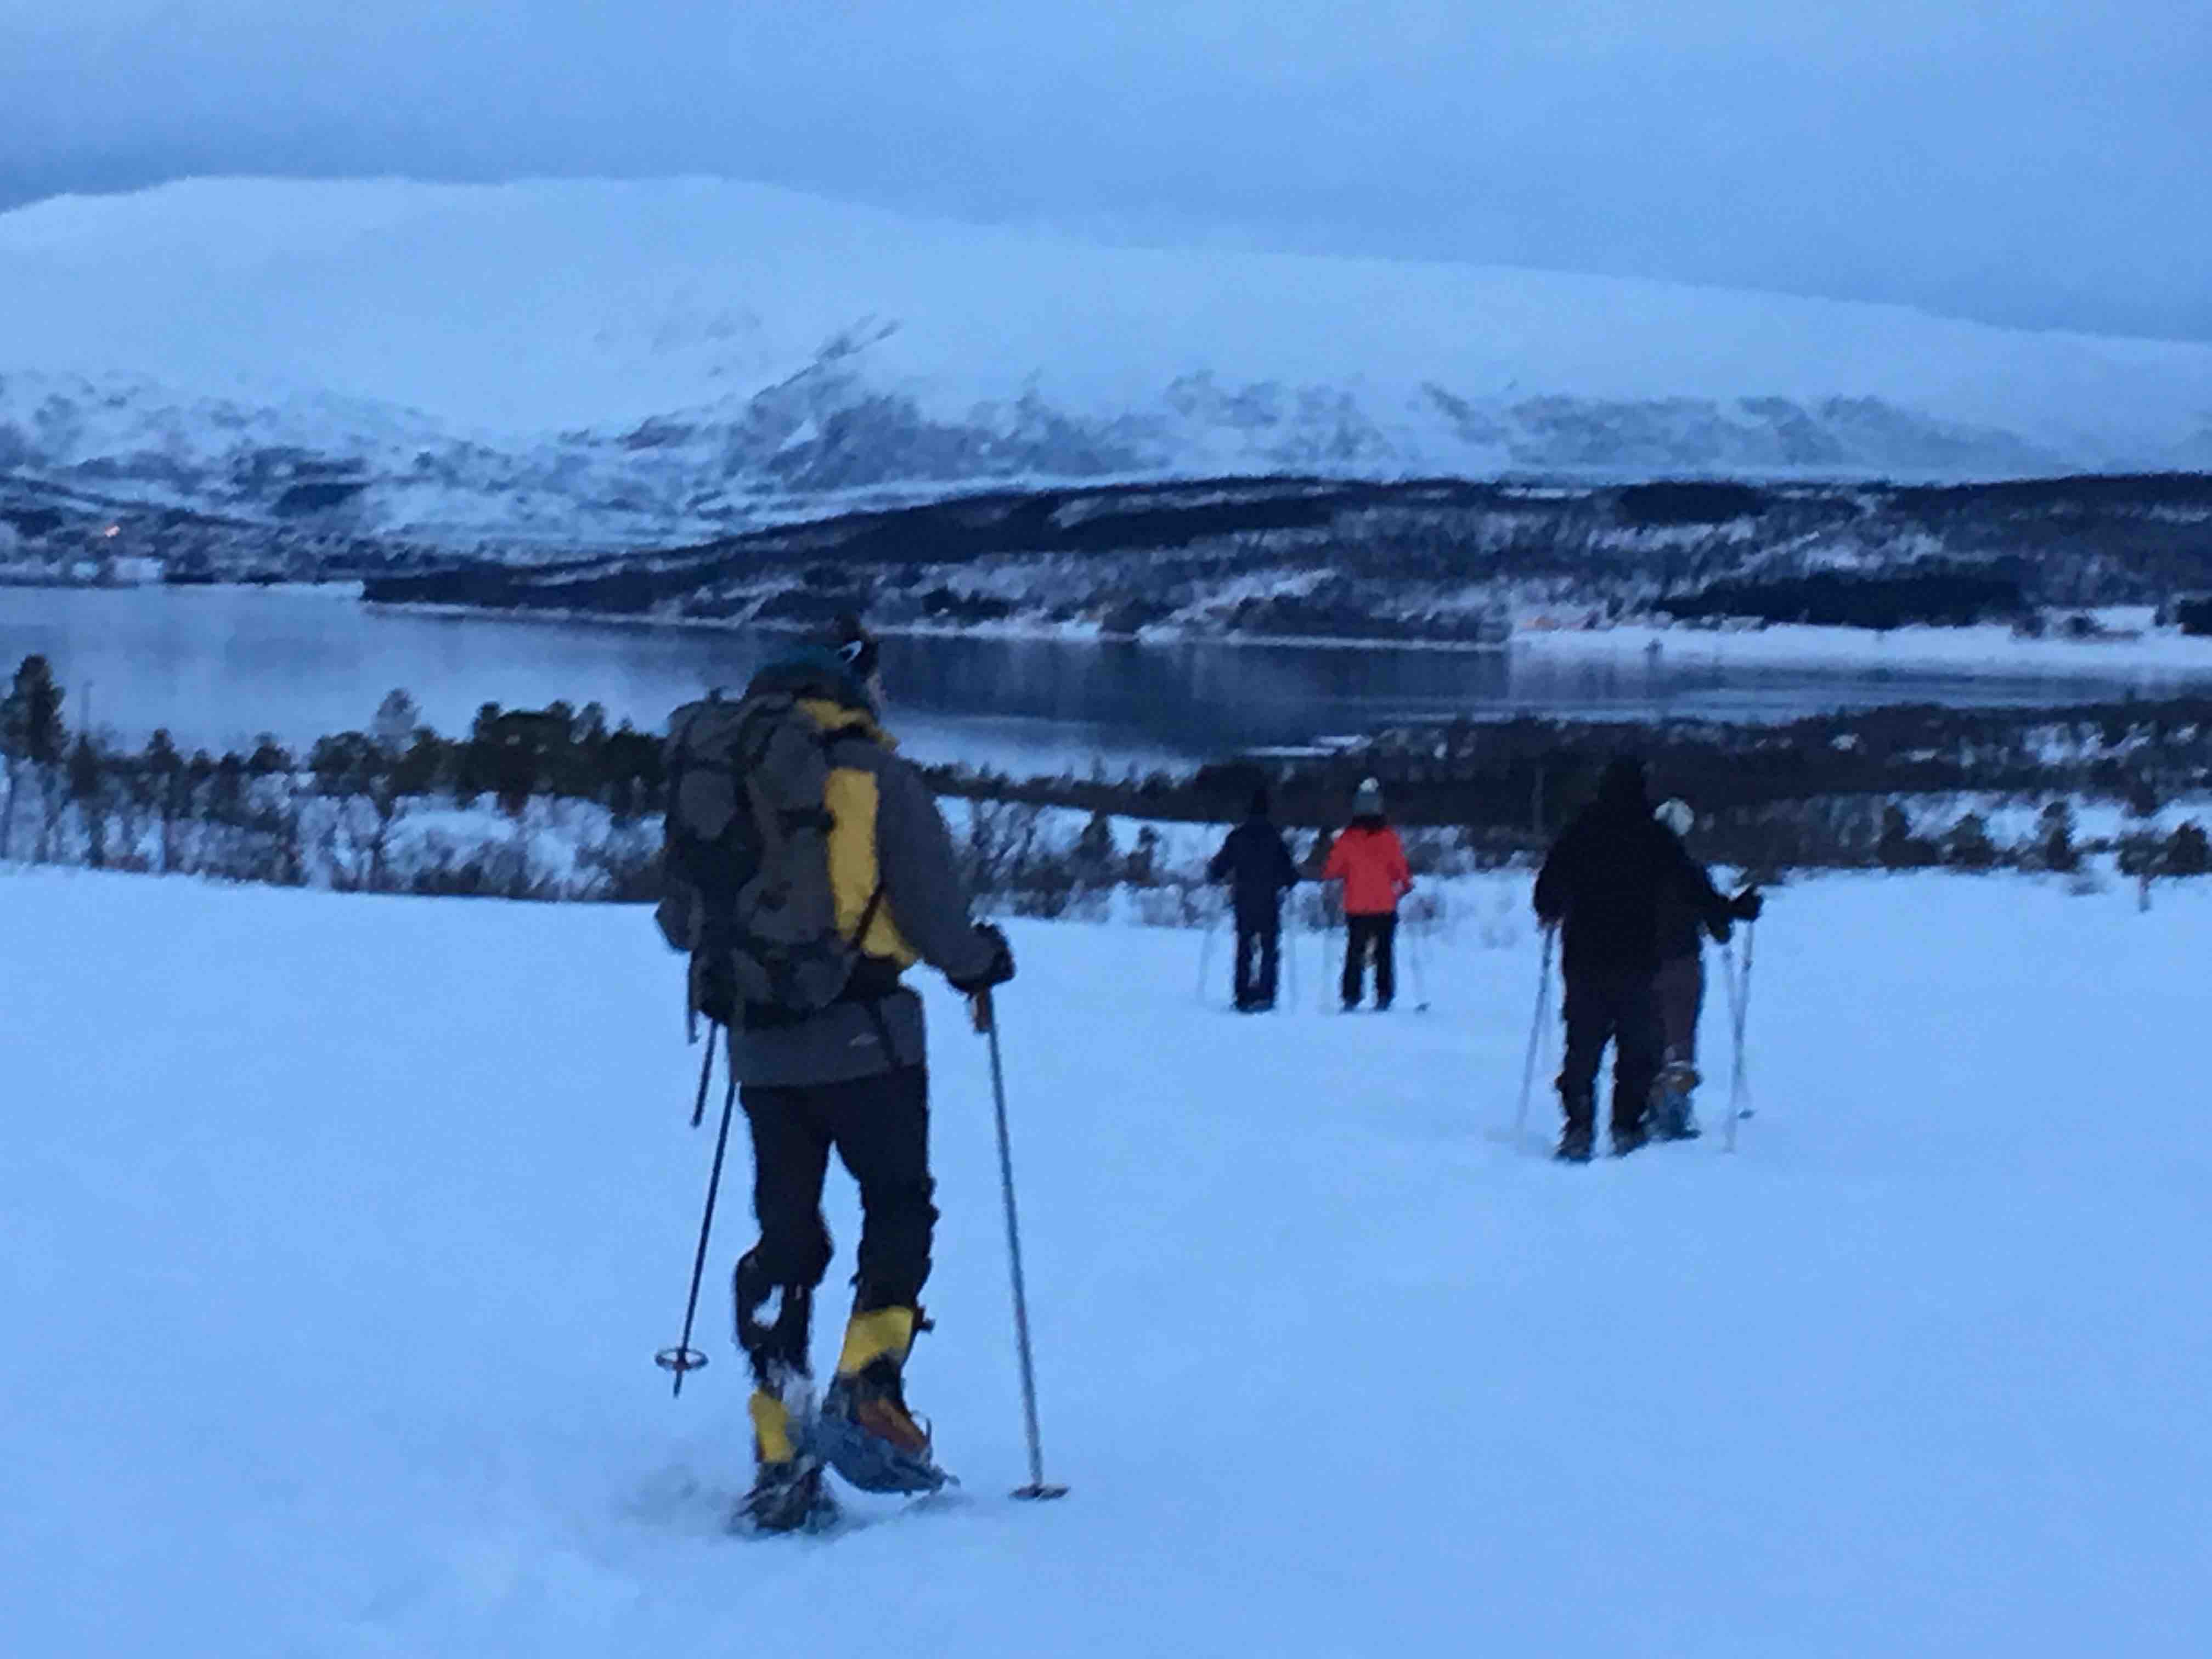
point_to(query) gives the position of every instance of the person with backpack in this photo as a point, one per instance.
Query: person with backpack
(807, 868)
(1602, 882)
(1256, 863)
(1680, 988)
(1370, 860)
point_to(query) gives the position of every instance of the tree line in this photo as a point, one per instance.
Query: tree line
(557, 803)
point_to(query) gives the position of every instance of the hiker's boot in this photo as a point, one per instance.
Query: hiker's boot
(866, 1432)
(1673, 1117)
(1576, 1137)
(787, 1494)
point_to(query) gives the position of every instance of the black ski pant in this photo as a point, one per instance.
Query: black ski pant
(880, 1127)
(1618, 1005)
(1259, 958)
(1680, 988)
(1361, 935)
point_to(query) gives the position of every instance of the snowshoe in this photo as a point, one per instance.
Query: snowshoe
(867, 1434)
(864, 1430)
(786, 1497)
(1672, 1115)
(1574, 1144)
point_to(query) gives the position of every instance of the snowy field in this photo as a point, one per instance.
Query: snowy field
(339, 1234)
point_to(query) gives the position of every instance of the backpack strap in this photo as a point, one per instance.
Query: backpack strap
(868, 913)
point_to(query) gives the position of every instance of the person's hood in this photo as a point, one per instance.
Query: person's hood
(814, 673)
(1621, 787)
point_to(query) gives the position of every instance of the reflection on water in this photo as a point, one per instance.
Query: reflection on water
(217, 665)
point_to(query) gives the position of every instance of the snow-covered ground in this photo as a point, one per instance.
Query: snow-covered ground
(339, 1233)
(588, 360)
(2129, 647)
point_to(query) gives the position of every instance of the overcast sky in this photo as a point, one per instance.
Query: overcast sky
(2032, 161)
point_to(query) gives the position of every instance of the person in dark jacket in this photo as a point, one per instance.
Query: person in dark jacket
(1603, 881)
(1679, 986)
(1257, 866)
(851, 1079)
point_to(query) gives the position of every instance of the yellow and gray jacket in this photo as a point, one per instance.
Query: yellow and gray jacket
(887, 833)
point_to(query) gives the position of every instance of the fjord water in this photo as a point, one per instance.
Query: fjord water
(217, 666)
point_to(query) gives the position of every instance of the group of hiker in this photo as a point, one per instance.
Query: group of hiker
(1366, 856)
(1618, 883)
(807, 866)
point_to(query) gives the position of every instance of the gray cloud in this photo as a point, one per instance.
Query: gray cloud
(2026, 163)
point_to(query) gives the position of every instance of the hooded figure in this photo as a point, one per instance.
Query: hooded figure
(1604, 881)
(1257, 864)
(1370, 860)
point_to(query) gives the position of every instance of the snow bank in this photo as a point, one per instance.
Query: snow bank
(2152, 656)
(340, 1232)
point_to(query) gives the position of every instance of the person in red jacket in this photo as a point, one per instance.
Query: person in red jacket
(1370, 860)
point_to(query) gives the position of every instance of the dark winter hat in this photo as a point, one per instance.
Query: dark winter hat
(811, 670)
(1622, 783)
(1367, 800)
(849, 639)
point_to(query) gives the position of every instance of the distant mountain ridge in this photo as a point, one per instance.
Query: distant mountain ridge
(604, 364)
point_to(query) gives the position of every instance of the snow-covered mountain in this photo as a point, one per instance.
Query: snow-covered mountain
(649, 360)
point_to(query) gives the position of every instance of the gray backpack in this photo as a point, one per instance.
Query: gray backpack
(745, 860)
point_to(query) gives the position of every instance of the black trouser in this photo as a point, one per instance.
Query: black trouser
(1617, 1005)
(1679, 986)
(1362, 934)
(1258, 958)
(880, 1128)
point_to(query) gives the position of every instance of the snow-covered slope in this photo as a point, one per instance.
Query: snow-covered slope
(655, 358)
(339, 1234)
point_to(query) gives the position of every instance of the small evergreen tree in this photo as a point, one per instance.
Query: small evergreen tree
(2187, 852)
(2055, 838)
(1968, 847)
(1897, 847)
(31, 737)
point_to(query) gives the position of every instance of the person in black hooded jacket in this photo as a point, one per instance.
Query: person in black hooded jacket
(1257, 864)
(1604, 883)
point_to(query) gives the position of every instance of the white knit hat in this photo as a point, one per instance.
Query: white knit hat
(1676, 816)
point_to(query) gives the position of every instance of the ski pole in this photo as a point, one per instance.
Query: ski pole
(1536, 1035)
(1419, 955)
(1290, 965)
(1739, 1007)
(1206, 956)
(683, 1358)
(987, 1021)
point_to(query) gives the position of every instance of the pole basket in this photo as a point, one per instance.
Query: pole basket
(1039, 1491)
(681, 1361)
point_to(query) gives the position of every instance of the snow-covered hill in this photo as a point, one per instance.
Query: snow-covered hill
(338, 1234)
(619, 362)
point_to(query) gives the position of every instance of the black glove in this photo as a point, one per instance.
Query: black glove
(1746, 905)
(998, 971)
